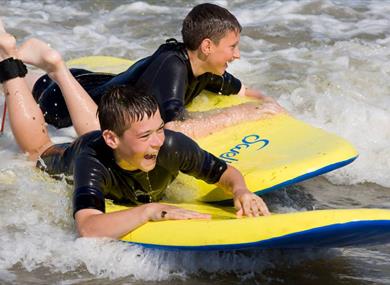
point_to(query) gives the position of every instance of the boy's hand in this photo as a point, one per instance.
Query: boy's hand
(161, 212)
(249, 204)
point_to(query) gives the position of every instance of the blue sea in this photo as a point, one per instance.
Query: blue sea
(327, 62)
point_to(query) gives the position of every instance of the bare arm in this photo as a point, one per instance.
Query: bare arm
(246, 202)
(269, 103)
(94, 223)
(206, 123)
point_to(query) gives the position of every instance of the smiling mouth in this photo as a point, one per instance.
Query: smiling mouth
(150, 156)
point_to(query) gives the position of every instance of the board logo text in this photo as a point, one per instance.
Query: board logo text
(247, 142)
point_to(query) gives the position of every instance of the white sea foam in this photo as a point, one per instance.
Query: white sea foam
(141, 8)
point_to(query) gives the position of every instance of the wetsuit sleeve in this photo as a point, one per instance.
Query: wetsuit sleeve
(191, 159)
(226, 84)
(167, 79)
(90, 177)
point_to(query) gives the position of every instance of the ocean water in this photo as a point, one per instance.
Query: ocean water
(327, 62)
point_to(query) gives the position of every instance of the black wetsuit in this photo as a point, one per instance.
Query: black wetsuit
(97, 176)
(166, 74)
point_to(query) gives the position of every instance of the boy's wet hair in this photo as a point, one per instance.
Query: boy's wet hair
(207, 21)
(123, 105)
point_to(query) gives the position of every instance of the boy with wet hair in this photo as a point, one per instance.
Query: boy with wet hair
(132, 159)
(207, 21)
(175, 74)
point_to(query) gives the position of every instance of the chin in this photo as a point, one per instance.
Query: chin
(147, 168)
(223, 70)
(220, 73)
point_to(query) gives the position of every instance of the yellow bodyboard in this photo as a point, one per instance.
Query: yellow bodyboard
(322, 228)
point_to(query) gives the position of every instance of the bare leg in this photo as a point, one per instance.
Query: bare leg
(31, 77)
(82, 108)
(26, 118)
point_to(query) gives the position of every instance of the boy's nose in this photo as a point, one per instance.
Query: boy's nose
(236, 53)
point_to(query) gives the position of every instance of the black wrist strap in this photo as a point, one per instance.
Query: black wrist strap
(11, 68)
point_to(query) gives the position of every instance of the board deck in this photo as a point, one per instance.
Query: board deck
(312, 229)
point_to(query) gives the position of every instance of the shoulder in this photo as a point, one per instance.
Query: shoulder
(94, 154)
(89, 138)
(179, 148)
(172, 53)
(176, 148)
(176, 140)
(180, 152)
(91, 143)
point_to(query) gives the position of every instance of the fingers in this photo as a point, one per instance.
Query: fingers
(271, 108)
(247, 207)
(240, 211)
(181, 214)
(251, 205)
(261, 207)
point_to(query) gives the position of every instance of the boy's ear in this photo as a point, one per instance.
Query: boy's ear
(206, 46)
(111, 139)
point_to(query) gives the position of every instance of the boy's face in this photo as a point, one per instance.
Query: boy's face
(224, 52)
(139, 145)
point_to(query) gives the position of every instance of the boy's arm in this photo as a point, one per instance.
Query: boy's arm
(206, 123)
(197, 125)
(90, 178)
(227, 84)
(246, 202)
(197, 162)
(95, 223)
(269, 103)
